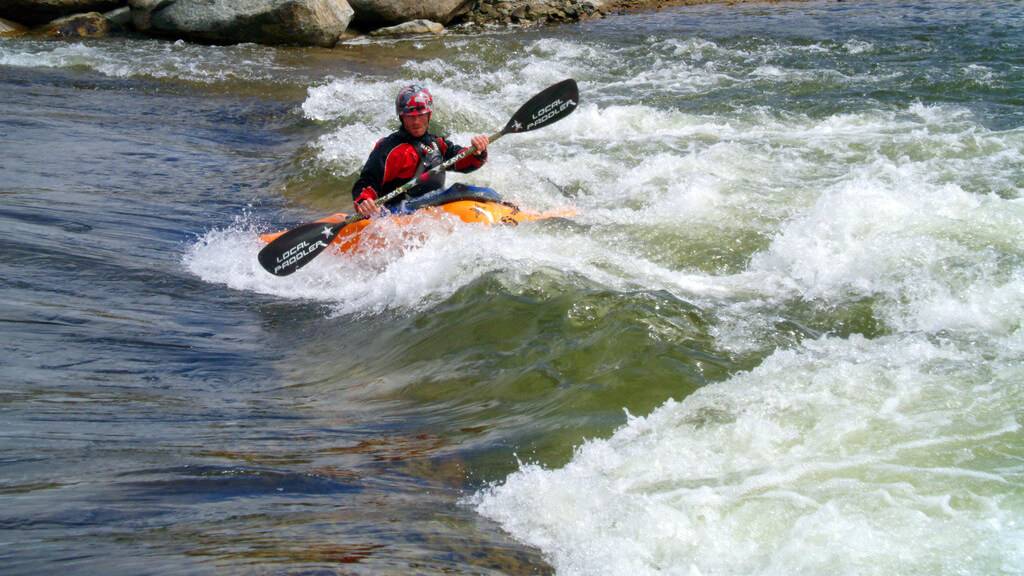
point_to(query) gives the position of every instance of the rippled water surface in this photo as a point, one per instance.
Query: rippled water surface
(782, 336)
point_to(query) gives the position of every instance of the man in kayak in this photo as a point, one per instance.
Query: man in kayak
(408, 153)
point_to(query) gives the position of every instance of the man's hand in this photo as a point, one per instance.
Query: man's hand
(366, 203)
(368, 208)
(480, 142)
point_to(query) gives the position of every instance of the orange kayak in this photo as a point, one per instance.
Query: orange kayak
(486, 212)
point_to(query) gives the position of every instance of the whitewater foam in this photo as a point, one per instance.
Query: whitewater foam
(824, 459)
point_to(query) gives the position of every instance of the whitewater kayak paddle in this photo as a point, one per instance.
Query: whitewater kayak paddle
(298, 246)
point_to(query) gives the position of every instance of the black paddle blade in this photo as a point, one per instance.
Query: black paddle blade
(549, 106)
(296, 247)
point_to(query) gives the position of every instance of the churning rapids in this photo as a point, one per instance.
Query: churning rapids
(783, 335)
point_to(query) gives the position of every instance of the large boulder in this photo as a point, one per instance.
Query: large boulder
(42, 11)
(372, 14)
(306, 22)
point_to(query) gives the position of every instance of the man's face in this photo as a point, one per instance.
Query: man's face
(416, 125)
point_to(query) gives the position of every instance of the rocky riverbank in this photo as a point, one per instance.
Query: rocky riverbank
(295, 22)
(527, 12)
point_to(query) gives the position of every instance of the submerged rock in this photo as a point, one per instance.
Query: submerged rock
(305, 22)
(410, 28)
(8, 28)
(375, 13)
(88, 25)
(32, 12)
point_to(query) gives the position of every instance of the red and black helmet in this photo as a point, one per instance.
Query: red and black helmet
(414, 100)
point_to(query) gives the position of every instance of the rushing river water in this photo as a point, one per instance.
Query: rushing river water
(782, 336)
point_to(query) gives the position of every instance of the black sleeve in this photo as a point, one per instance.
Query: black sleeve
(372, 174)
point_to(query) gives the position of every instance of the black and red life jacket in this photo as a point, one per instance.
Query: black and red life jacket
(399, 157)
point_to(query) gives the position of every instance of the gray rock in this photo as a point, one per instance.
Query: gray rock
(142, 10)
(88, 25)
(305, 22)
(372, 14)
(410, 28)
(120, 19)
(34, 12)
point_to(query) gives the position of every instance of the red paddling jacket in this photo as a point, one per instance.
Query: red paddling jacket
(398, 158)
